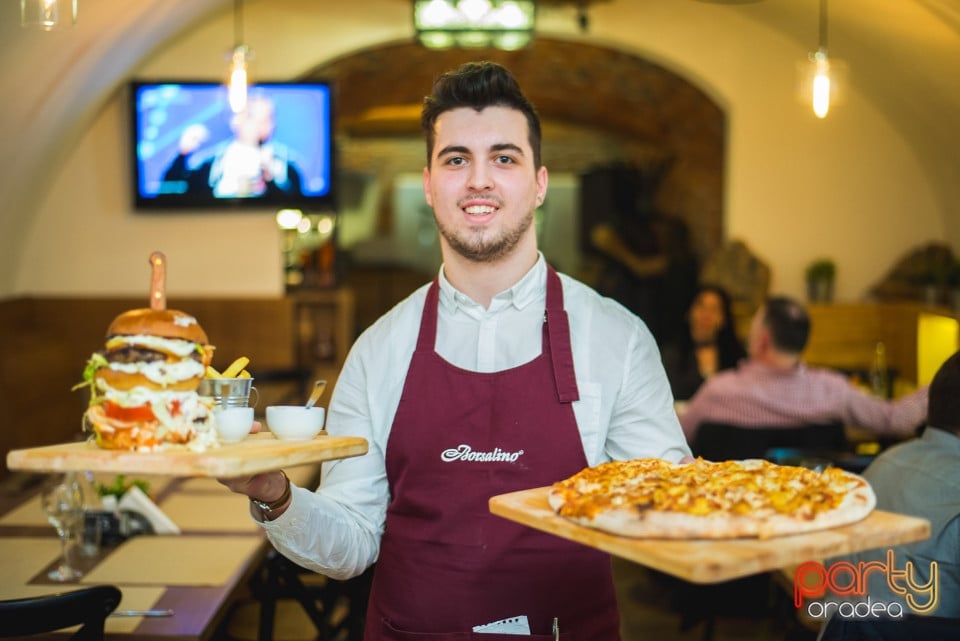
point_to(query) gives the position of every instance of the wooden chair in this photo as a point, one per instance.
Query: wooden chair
(86, 607)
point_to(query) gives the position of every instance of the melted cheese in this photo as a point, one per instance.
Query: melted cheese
(175, 346)
(700, 488)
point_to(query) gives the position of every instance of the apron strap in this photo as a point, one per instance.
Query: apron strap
(427, 338)
(558, 330)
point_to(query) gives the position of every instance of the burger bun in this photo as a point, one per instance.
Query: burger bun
(167, 323)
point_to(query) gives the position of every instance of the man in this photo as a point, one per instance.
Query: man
(500, 375)
(248, 166)
(774, 388)
(920, 477)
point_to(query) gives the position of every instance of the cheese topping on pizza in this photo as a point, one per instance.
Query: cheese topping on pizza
(754, 488)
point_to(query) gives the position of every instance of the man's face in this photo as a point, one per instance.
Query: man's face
(482, 183)
(255, 125)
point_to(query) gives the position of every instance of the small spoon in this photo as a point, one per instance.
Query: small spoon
(318, 388)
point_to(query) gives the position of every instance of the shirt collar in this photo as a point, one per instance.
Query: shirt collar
(529, 289)
(757, 368)
(942, 439)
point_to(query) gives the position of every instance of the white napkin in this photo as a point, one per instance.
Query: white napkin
(511, 625)
(135, 500)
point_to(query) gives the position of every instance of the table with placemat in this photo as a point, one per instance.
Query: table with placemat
(198, 573)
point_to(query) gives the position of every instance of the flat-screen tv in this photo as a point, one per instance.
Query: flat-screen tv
(190, 150)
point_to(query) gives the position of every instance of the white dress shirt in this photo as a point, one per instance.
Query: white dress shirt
(625, 409)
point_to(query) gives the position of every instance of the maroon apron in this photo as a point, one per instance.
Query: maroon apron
(459, 437)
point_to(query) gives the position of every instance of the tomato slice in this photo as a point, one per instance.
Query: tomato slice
(130, 414)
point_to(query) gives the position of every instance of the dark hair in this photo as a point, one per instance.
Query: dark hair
(788, 323)
(943, 406)
(478, 85)
(729, 348)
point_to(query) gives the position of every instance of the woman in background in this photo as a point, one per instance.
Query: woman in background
(708, 345)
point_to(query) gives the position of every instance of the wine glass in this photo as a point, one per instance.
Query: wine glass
(63, 506)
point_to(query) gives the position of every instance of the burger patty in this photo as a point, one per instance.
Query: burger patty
(132, 354)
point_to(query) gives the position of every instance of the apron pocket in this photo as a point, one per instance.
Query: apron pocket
(391, 633)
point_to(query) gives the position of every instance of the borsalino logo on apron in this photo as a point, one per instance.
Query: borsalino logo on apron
(464, 452)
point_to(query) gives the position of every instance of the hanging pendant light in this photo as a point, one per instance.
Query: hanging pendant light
(504, 24)
(820, 96)
(238, 79)
(822, 77)
(48, 14)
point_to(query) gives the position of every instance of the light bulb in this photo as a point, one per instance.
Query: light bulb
(436, 13)
(325, 225)
(511, 16)
(474, 10)
(304, 225)
(821, 95)
(237, 85)
(49, 13)
(821, 85)
(289, 218)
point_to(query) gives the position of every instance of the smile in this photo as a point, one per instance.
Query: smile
(479, 210)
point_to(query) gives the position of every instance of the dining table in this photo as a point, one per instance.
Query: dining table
(198, 573)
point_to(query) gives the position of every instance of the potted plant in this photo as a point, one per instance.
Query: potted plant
(119, 487)
(820, 276)
(935, 280)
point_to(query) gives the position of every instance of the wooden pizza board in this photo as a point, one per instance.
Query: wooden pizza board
(256, 453)
(713, 561)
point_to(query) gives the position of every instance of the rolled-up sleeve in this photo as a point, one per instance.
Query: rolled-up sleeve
(885, 418)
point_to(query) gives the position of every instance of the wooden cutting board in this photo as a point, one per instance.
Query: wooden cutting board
(257, 453)
(712, 561)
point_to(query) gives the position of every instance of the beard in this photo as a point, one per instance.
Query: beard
(485, 246)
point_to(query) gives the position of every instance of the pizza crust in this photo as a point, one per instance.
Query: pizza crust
(594, 498)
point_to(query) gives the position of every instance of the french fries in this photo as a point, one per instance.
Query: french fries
(236, 369)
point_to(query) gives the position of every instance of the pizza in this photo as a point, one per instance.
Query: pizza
(710, 500)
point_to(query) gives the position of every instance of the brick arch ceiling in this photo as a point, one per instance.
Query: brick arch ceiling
(578, 84)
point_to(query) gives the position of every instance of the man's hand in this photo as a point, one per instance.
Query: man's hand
(266, 486)
(266, 163)
(192, 137)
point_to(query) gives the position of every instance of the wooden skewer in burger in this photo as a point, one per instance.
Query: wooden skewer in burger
(143, 384)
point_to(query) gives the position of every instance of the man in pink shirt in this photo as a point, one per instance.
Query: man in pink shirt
(773, 388)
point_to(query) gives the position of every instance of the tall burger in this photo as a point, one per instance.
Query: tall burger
(143, 384)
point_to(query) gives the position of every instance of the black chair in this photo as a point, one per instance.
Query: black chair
(337, 609)
(910, 628)
(86, 607)
(722, 441)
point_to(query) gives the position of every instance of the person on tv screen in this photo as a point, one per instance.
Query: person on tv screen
(249, 165)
